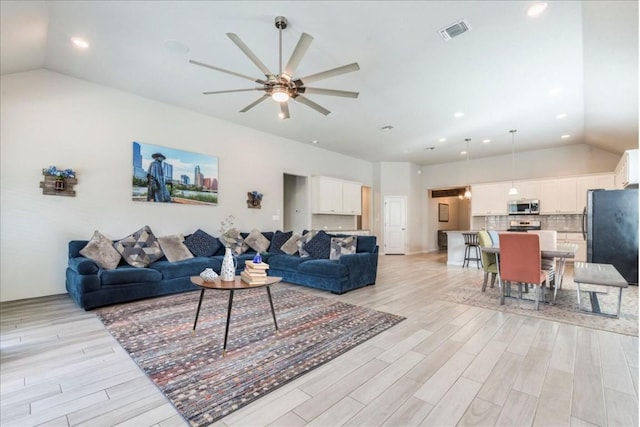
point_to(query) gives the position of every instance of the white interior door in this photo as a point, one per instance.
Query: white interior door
(395, 224)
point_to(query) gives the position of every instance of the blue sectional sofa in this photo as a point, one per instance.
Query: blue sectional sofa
(91, 286)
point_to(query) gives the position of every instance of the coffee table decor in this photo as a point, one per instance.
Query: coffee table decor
(203, 385)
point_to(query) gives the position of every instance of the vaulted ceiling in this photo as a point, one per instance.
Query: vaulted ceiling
(510, 71)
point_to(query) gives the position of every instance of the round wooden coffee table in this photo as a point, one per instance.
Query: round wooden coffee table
(236, 285)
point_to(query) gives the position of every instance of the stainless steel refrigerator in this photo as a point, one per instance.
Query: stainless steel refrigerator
(610, 226)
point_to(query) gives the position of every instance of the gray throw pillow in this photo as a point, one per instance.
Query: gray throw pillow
(342, 246)
(279, 238)
(140, 248)
(306, 238)
(290, 247)
(256, 241)
(100, 249)
(173, 248)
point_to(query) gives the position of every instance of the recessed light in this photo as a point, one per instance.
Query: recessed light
(536, 9)
(458, 114)
(386, 127)
(561, 116)
(442, 140)
(462, 153)
(565, 136)
(80, 43)
(315, 141)
(486, 141)
(281, 115)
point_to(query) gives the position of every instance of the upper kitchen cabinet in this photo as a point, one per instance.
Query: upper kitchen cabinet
(626, 173)
(559, 196)
(592, 182)
(526, 190)
(335, 196)
(489, 199)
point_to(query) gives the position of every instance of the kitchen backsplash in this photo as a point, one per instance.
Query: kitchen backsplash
(547, 222)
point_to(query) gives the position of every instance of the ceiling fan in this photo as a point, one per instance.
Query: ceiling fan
(282, 86)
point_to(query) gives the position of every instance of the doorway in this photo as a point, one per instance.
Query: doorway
(395, 225)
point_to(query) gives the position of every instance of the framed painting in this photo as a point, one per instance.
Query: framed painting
(168, 175)
(443, 212)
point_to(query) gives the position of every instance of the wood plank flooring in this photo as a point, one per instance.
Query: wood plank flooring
(446, 365)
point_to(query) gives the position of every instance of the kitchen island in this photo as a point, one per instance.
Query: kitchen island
(456, 246)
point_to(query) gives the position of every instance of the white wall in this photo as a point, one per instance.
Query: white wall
(52, 119)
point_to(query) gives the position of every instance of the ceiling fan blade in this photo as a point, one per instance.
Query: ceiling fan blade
(331, 92)
(214, 92)
(297, 55)
(233, 73)
(329, 73)
(309, 103)
(252, 56)
(254, 103)
(284, 110)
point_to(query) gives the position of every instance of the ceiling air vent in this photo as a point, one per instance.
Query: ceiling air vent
(454, 30)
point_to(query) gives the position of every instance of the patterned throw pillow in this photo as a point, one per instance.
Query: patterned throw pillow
(256, 241)
(279, 239)
(291, 246)
(202, 244)
(173, 248)
(140, 248)
(307, 237)
(342, 246)
(234, 240)
(319, 246)
(100, 249)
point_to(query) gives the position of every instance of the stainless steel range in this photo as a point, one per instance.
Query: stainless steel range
(523, 225)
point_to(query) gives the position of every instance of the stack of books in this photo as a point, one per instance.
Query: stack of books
(254, 273)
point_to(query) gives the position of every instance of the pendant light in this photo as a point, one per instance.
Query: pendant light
(513, 191)
(467, 192)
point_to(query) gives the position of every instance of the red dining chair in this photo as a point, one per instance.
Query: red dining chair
(520, 262)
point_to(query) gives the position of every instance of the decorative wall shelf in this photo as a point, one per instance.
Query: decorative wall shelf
(53, 186)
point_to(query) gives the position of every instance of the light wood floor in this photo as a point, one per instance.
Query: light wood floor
(447, 364)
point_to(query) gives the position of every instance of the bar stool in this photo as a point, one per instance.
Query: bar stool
(471, 244)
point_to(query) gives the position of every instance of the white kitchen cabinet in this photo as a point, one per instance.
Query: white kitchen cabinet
(576, 239)
(489, 199)
(592, 182)
(626, 172)
(559, 196)
(335, 196)
(526, 190)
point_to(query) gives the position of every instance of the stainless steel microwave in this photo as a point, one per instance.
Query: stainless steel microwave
(523, 207)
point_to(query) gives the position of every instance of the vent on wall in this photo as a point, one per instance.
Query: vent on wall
(454, 30)
(449, 192)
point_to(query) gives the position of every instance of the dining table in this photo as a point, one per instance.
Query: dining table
(560, 252)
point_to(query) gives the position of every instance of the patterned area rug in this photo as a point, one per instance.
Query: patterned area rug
(566, 308)
(190, 369)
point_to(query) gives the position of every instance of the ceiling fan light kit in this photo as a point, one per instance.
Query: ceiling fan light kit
(282, 86)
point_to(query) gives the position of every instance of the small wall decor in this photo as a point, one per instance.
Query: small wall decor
(168, 175)
(443, 212)
(58, 182)
(254, 200)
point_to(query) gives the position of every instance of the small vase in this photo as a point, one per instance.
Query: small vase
(208, 275)
(228, 270)
(257, 259)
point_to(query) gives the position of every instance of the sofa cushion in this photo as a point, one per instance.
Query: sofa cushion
(292, 245)
(173, 248)
(342, 246)
(279, 239)
(323, 268)
(100, 249)
(185, 268)
(319, 246)
(307, 236)
(140, 248)
(286, 262)
(256, 241)
(366, 244)
(128, 275)
(201, 243)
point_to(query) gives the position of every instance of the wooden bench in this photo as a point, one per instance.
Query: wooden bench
(586, 273)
